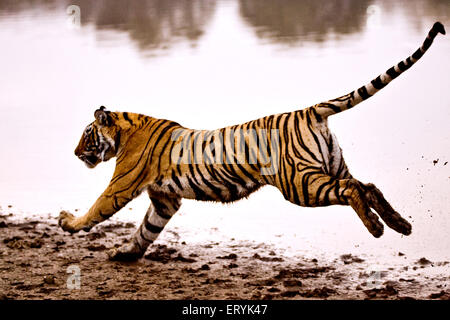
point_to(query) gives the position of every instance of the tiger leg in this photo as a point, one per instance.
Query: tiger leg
(105, 206)
(315, 189)
(157, 216)
(377, 201)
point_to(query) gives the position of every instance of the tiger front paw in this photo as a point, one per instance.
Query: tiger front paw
(65, 221)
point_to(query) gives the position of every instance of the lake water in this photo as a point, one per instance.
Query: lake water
(207, 64)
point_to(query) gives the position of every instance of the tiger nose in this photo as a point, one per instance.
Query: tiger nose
(78, 153)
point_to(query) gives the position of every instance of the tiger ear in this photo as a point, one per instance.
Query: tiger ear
(102, 116)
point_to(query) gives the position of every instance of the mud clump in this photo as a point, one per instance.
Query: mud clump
(49, 280)
(262, 283)
(96, 247)
(180, 258)
(267, 259)
(232, 266)
(302, 273)
(423, 262)
(164, 254)
(349, 258)
(385, 292)
(323, 292)
(292, 283)
(18, 242)
(289, 293)
(231, 256)
(443, 295)
(96, 235)
(112, 227)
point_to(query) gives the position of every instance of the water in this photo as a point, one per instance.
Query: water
(208, 64)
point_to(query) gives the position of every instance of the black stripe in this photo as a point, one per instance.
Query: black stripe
(301, 142)
(403, 67)
(350, 99)
(305, 184)
(199, 193)
(197, 173)
(327, 193)
(142, 235)
(138, 244)
(297, 153)
(176, 180)
(253, 156)
(392, 73)
(378, 84)
(318, 192)
(231, 174)
(312, 132)
(418, 54)
(125, 116)
(215, 174)
(152, 228)
(331, 106)
(163, 215)
(141, 176)
(343, 193)
(122, 156)
(229, 158)
(246, 173)
(283, 165)
(262, 139)
(336, 192)
(294, 187)
(162, 152)
(159, 206)
(117, 141)
(427, 43)
(316, 115)
(114, 179)
(363, 93)
(409, 62)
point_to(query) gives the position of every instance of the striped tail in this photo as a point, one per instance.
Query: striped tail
(348, 101)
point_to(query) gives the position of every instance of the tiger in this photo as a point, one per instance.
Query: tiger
(295, 152)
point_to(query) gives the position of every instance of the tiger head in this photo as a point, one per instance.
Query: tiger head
(99, 141)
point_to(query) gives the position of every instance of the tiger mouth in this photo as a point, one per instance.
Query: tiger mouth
(90, 161)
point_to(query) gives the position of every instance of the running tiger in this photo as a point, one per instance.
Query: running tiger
(293, 151)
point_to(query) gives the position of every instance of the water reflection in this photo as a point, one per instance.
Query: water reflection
(151, 23)
(435, 9)
(291, 21)
(158, 24)
(288, 21)
(12, 7)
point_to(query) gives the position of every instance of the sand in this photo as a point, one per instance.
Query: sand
(40, 261)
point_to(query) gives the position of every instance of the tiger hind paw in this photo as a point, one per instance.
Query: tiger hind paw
(126, 252)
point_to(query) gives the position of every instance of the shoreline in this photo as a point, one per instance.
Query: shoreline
(38, 261)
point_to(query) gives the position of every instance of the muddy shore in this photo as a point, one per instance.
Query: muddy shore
(39, 261)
